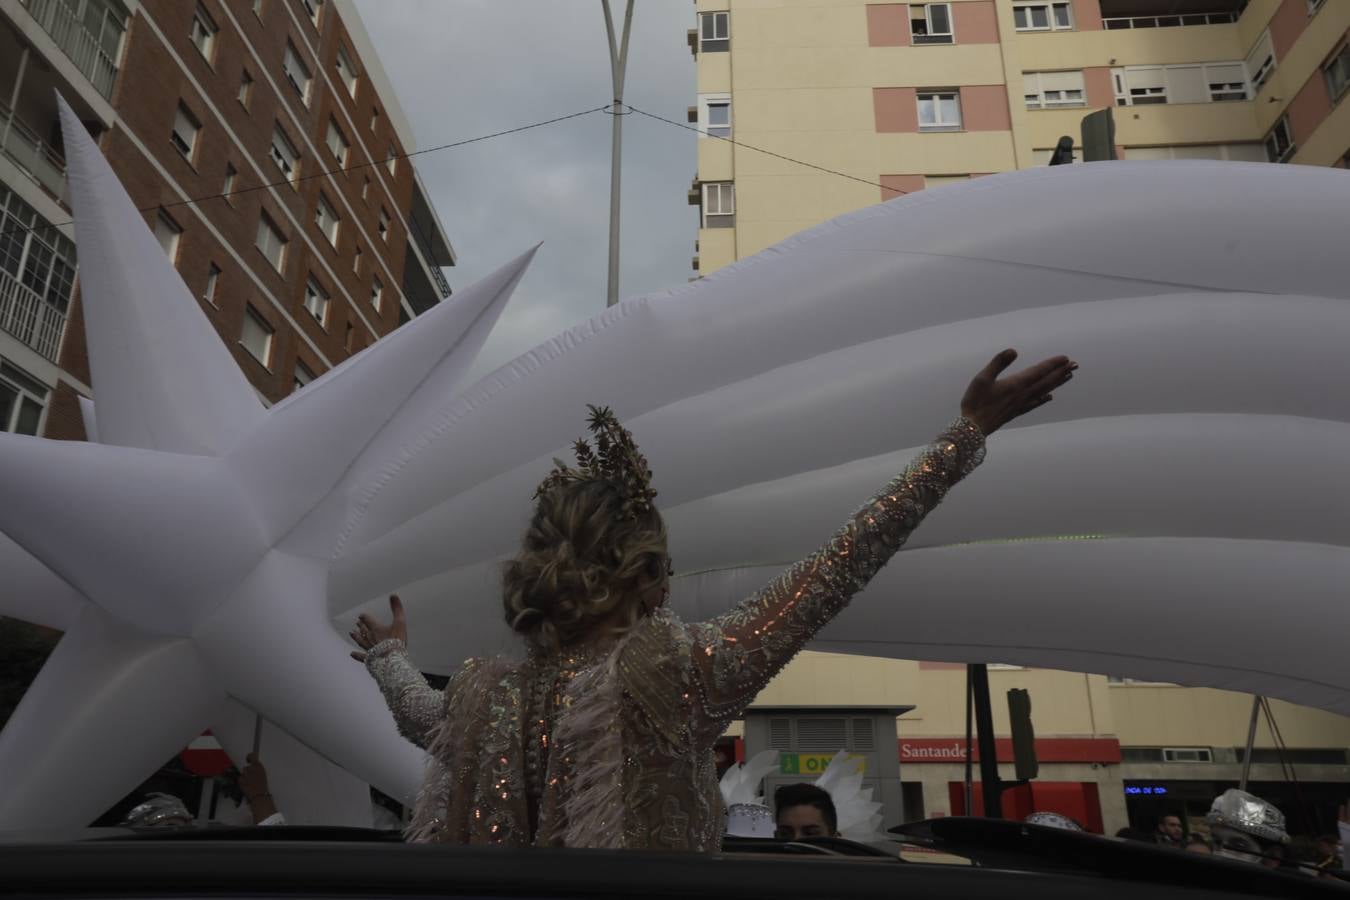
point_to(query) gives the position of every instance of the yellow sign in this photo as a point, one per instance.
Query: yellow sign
(812, 764)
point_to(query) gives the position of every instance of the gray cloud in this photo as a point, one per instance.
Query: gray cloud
(462, 68)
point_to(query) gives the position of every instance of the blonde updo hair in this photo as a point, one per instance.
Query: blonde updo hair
(582, 562)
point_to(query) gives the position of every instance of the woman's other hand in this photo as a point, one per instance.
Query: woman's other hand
(369, 632)
(992, 402)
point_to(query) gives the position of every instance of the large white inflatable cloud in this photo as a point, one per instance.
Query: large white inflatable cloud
(201, 553)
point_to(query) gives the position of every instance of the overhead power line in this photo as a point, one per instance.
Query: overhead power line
(334, 171)
(608, 108)
(790, 159)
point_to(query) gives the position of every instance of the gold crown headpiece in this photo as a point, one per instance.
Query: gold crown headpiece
(615, 458)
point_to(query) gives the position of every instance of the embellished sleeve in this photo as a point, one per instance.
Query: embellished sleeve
(416, 705)
(736, 654)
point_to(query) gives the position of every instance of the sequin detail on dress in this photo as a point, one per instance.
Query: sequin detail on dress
(614, 748)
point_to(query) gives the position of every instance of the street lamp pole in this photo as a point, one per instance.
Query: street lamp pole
(618, 62)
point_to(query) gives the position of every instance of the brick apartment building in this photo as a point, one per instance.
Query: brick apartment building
(266, 101)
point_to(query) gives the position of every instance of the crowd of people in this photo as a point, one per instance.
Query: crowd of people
(1244, 827)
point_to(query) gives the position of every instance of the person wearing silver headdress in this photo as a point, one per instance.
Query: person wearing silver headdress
(1247, 828)
(158, 811)
(603, 737)
(1053, 820)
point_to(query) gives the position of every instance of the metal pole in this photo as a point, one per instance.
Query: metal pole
(970, 750)
(618, 63)
(1251, 739)
(990, 784)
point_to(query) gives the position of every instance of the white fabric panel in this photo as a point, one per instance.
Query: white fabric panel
(1187, 84)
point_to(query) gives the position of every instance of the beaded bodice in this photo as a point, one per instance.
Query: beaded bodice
(613, 747)
(544, 689)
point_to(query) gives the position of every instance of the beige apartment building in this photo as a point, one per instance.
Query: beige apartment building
(912, 96)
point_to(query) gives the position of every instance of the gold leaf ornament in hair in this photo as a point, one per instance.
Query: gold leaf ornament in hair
(615, 458)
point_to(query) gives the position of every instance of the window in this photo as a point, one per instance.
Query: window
(384, 224)
(1043, 16)
(719, 205)
(930, 23)
(22, 400)
(303, 375)
(337, 143)
(376, 292)
(1207, 83)
(1261, 61)
(42, 260)
(349, 341)
(714, 115)
(932, 181)
(272, 243)
(365, 188)
(1280, 142)
(184, 134)
(297, 73)
(257, 337)
(1187, 754)
(203, 33)
(258, 8)
(1140, 86)
(313, 9)
(1227, 81)
(1314, 6)
(212, 279)
(1254, 152)
(246, 89)
(374, 118)
(230, 176)
(714, 31)
(346, 71)
(1338, 72)
(168, 233)
(940, 111)
(1052, 90)
(391, 160)
(285, 155)
(356, 261)
(317, 301)
(327, 220)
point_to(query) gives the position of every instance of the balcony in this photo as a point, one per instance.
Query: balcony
(89, 32)
(424, 284)
(1127, 14)
(424, 245)
(24, 314)
(35, 156)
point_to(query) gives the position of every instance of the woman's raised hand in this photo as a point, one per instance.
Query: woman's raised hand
(368, 632)
(992, 402)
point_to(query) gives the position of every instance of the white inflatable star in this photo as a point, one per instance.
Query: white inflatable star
(186, 551)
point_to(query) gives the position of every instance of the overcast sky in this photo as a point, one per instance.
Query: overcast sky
(462, 68)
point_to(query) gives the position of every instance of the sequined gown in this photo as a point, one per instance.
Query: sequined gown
(612, 747)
